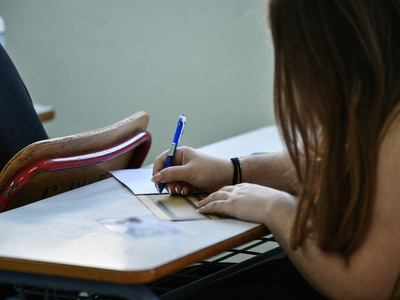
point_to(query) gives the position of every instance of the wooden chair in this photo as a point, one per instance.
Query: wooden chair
(54, 166)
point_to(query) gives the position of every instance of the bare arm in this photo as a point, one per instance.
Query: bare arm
(194, 170)
(274, 170)
(372, 270)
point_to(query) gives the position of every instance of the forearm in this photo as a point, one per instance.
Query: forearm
(274, 170)
(327, 271)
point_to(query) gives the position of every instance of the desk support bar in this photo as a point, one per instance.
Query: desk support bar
(54, 284)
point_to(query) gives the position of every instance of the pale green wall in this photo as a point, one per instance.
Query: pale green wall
(98, 61)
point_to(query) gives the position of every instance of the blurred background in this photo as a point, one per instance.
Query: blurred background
(99, 61)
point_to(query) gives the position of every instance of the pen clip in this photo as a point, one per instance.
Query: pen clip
(182, 119)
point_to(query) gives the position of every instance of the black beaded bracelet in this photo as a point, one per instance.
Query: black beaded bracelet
(237, 170)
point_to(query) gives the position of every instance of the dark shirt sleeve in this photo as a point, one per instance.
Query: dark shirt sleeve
(19, 123)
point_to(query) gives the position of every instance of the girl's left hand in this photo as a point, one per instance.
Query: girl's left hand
(245, 201)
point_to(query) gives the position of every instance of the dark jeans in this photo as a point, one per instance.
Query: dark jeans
(19, 123)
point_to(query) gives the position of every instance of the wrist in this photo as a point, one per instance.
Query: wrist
(226, 173)
(280, 212)
(237, 171)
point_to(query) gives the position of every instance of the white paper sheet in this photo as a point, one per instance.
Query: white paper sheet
(137, 180)
(165, 206)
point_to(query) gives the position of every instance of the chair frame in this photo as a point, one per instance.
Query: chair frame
(41, 157)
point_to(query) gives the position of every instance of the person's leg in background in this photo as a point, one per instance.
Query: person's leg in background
(19, 123)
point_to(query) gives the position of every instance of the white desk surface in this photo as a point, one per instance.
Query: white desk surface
(61, 235)
(265, 139)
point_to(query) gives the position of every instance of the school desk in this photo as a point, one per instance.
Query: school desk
(59, 242)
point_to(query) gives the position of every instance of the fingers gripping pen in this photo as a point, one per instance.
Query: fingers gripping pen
(180, 129)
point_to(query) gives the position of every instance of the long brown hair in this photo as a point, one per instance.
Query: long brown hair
(337, 71)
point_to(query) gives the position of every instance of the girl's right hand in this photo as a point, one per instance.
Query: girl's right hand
(191, 171)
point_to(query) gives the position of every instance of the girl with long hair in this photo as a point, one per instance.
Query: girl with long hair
(332, 199)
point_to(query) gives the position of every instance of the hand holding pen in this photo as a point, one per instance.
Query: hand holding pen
(180, 129)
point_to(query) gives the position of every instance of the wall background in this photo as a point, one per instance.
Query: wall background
(99, 61)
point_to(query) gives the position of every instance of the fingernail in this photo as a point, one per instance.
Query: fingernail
(169, 191)
(176, 190)
(199, 203)
(157, 178)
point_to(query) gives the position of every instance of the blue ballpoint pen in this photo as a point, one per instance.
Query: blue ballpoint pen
(180, 129)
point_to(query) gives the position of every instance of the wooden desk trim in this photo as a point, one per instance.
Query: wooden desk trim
(129, 277)
(44, 112)
(46, 116)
